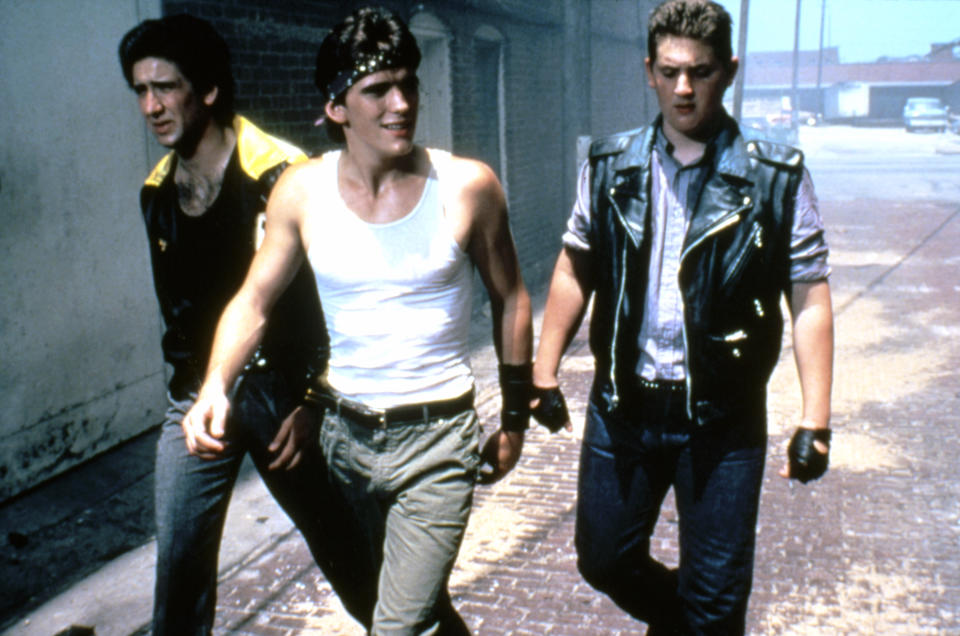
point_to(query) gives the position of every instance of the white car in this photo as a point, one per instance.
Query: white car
(925, 112)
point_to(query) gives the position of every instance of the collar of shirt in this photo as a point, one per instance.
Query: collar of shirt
(664, 149)
(685, 181)
(691, 178)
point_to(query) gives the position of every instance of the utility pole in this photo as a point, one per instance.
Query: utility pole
(794, 98)
(823, 15)
(738, 83)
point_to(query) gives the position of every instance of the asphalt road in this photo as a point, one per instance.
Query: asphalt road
(849, 163)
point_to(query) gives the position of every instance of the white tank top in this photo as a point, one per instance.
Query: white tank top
(396, 297)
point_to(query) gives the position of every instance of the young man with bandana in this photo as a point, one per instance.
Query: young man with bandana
(687, 236)
(391, 231)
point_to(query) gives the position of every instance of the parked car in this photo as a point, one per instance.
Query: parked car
(776, 128)
(925, 112)
(809, 118)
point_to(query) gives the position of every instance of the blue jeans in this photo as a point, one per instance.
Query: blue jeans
(191, 497)
(410, 488)
(627, 464)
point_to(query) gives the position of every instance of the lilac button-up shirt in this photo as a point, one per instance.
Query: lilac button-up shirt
(675, 190)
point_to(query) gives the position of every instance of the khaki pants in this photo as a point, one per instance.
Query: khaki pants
(411, 488)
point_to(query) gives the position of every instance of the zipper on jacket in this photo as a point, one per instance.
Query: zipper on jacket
(615, 397)
(731, 219)
(728, 221)
(755, 241)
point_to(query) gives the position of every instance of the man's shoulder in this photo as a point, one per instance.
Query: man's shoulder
(309, 168)
(464, 169)
(307, 180)
(774, 154)
(467, 187)
(160, 171)
(615, 143)
(462, 175)
(259, 152)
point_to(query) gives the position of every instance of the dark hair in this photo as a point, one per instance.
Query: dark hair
(696, 19)
(194, 46)
(365, 33)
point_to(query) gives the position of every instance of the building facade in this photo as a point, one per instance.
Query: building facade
(865, 92)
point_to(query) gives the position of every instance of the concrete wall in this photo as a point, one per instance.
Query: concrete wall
(79, 325)
(620, 97)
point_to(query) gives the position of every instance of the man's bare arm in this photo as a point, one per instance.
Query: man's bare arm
(812, 315)
(244, 319)
(490, 245)
(570, 289)
(491, 248)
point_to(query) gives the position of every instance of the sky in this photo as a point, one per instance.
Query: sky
(862, 29)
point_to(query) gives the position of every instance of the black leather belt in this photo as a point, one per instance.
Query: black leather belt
(672, 386)
(405, 414)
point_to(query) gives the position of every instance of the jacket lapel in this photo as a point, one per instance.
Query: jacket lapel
(630, 189)
(727, 192)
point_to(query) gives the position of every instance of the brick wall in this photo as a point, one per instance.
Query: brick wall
(274, 43)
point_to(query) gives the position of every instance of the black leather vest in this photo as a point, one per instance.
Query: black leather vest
(734, 269)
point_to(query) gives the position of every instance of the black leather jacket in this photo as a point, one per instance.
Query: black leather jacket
(196, 272)
(734, 268)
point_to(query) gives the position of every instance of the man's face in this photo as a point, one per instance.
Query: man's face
(174, 112)
(380, 112)
(690, 82)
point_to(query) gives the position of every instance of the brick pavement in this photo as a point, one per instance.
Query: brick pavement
(871, 549)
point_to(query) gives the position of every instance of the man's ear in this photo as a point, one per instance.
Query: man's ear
(335, 112)
(647, 64)
(210, 97)
(732, 69)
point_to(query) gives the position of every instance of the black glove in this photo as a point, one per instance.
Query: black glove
(515, 383)
(551, 411)
(806, 462)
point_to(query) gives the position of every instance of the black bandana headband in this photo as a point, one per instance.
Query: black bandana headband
(364, 66)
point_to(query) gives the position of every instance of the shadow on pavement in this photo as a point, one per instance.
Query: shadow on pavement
(62, 530)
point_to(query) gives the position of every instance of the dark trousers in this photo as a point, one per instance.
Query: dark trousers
(191, 500)
(627, 464)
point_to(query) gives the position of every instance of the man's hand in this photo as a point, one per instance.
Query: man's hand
(205, 424)
(550, 409)
(501, 453)
(298, 430)
(807, 454)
